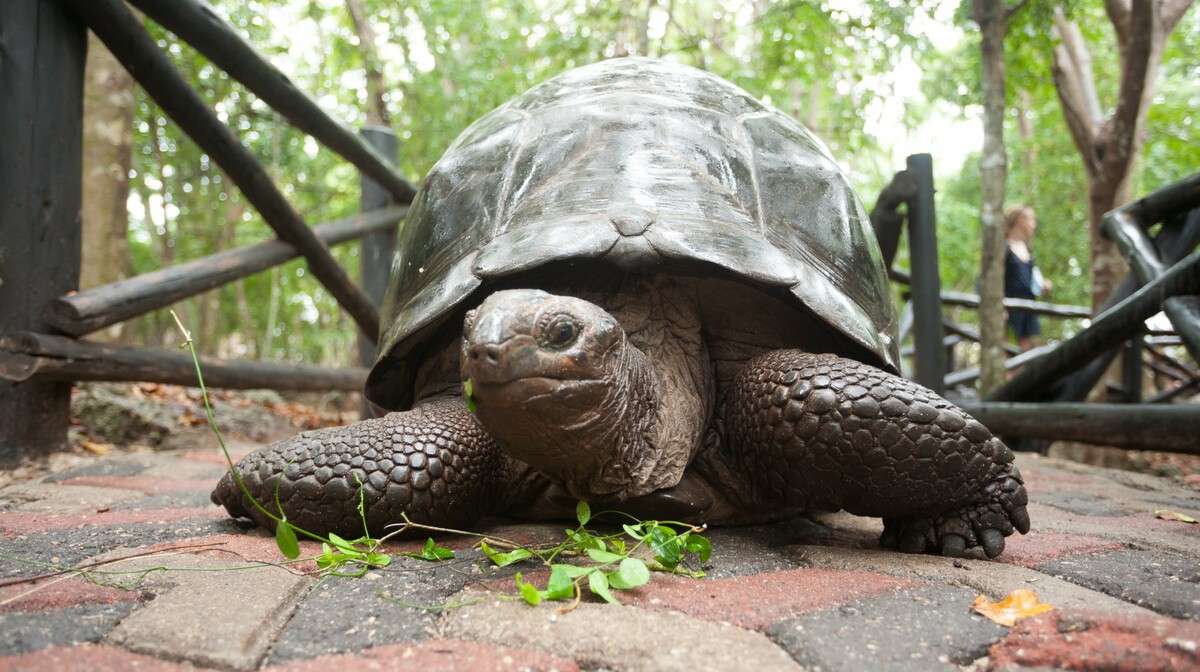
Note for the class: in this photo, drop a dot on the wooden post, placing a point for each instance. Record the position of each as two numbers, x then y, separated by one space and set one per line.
376 248
930 367
42 52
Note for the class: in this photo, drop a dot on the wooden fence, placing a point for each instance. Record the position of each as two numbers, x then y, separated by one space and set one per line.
41 78
41 75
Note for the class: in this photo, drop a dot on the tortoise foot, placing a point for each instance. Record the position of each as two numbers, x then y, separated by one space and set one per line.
434 464
951 532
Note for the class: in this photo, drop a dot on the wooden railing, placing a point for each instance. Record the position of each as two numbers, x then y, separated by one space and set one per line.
1042 401
41 316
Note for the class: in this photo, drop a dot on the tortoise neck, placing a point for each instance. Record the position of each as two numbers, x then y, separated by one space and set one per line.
596 439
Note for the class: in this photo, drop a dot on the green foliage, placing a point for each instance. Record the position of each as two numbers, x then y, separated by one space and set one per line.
432 552
336 553
613 561
830 66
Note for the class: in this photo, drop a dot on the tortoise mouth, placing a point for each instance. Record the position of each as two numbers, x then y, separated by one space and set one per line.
567 392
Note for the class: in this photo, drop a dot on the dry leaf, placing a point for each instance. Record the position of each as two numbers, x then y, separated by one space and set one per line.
1174 515
1019 604
97 448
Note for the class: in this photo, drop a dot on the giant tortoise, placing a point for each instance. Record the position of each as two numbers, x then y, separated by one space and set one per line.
663 297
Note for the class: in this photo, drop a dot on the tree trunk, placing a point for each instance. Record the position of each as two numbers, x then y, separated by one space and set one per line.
991 15
1109 145
377 113
108 111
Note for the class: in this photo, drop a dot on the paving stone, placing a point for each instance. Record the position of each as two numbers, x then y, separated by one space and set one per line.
1142 530
1031 550
351 614
59 592
442 655
70 547
755 602
745 551
180 499
608 637
63 499
1089 640
147 485
925 629
116 466
1083 503
210 618
22 632
17 523
993 579
87 658
1168 584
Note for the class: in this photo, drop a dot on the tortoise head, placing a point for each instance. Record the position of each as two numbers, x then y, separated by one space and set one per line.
525 347
548 373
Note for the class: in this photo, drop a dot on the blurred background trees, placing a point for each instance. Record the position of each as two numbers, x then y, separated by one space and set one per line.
875 79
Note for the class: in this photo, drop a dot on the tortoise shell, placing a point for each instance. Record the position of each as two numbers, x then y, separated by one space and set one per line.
645 164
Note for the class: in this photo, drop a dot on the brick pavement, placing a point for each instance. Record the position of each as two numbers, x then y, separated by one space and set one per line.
803 595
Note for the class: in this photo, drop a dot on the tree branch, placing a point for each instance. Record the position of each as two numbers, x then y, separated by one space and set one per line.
1008 14
1081 60
1118 13
1144 31
1066 83
1172 12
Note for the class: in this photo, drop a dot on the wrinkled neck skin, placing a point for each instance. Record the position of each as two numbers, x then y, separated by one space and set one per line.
606 423
595 439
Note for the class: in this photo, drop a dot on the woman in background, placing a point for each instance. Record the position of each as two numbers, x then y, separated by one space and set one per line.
1022 279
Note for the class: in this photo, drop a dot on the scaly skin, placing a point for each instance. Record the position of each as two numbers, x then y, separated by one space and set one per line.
820 432
795 431
434 463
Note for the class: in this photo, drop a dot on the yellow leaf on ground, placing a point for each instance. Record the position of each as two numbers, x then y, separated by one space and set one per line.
1019 604
1174 515
97 448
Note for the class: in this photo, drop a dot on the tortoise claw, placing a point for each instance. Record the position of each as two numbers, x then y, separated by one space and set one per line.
1020 519
992 541
953 545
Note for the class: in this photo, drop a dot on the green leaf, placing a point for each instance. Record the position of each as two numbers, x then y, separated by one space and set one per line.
469 393
342 545
665 544
561 585
603 556
634 531
285 539
598 583
630 574
572 571
326 558
583 512
431 552
694 543
379 559
528 590
504 559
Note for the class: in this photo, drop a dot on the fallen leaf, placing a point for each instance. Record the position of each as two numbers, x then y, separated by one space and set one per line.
1174 515
1019 604
97 448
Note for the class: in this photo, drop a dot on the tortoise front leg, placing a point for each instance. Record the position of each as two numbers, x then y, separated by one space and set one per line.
435 463
820 432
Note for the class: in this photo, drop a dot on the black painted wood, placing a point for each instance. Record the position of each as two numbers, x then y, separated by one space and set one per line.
27 356
42 52
85 312
199 26
123 34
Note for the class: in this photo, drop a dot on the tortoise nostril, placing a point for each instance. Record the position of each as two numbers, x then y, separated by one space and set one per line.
486 353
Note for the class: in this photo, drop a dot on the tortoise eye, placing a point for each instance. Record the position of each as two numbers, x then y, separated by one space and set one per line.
560 332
